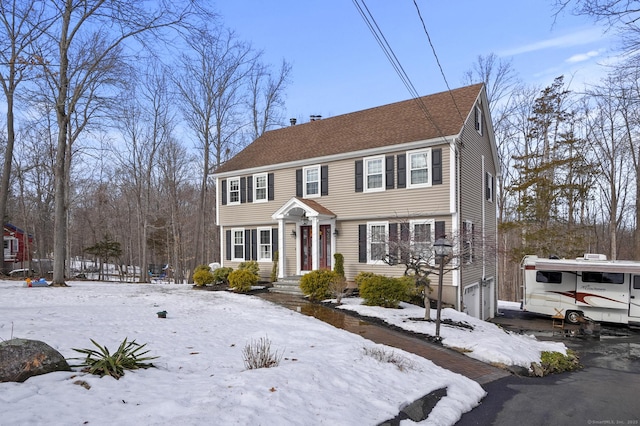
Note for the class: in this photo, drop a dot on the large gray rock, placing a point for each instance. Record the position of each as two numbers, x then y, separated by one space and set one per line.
22 358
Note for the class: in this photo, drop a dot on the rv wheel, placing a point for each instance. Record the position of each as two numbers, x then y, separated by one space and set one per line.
573 317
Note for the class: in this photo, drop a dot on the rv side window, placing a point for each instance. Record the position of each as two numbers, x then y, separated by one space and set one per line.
549 277
603 277
636 282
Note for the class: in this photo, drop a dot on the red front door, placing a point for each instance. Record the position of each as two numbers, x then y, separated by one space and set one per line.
306 251
325 247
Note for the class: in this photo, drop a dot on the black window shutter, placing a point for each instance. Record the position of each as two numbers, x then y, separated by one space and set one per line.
440 229
247 244
389 169
243 189
487 186
324 180
250 189
270 186
224 192
402 171
393 244
228 243
299 183
362 243
254 244
359 177
405 237
274 242
436 164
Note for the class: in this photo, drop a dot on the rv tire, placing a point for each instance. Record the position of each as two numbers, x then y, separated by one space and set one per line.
573 317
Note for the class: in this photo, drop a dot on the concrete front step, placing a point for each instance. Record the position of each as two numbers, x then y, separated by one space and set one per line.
289 285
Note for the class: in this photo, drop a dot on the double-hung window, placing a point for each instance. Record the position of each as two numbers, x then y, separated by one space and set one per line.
311 182
234 190
377 232
260 188
422 238
264 244
467 241
418 173
374 174
237 243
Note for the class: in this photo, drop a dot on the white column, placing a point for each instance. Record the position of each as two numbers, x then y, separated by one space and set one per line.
282 252
315 240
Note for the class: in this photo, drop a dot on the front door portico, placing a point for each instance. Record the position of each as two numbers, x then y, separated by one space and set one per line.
312 245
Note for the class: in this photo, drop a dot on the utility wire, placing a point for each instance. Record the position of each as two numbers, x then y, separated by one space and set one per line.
433 49
395 62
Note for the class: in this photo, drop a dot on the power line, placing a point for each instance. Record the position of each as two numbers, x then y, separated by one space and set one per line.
369 20
433 49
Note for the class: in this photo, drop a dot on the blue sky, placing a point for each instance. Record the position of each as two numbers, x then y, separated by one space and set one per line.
338 66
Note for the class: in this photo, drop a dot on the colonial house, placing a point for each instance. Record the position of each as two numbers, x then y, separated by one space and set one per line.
349 184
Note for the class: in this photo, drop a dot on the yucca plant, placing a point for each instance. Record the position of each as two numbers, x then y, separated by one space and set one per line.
129 356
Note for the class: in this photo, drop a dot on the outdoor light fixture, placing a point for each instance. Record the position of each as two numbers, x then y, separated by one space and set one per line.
443 249
293 233
335 232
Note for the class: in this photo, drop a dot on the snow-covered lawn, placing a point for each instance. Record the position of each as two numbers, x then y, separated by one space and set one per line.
480 339
324 377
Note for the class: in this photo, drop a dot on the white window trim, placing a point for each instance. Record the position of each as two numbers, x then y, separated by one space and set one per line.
365 174
255 188
412 229
259 242
429 169
304 181
229 202
371 261
233 245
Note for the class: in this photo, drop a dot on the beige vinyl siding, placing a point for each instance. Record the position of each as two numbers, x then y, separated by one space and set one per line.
343 200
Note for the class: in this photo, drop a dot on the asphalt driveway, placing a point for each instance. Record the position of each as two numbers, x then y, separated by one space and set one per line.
604 392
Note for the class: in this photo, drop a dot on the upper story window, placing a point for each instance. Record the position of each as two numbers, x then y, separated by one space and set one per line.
478 120
311 183
489 186
260 188
233 185
418 171
374 174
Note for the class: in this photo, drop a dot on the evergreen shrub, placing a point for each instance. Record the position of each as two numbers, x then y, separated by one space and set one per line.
241 280
359 279
202 275
385 291
317 284
251 266
221 275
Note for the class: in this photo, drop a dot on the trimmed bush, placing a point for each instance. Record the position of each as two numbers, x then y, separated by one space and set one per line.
202 275
221 275
385 291
251 266
241 280
317 284
359 279
339 264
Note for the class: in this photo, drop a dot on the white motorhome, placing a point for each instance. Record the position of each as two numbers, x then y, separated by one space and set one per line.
591 286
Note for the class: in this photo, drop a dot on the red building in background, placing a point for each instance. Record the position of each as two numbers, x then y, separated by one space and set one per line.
17 245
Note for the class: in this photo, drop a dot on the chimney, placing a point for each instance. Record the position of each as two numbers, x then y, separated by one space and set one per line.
314 117
292 121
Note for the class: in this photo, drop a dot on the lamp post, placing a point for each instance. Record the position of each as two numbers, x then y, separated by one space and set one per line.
442 248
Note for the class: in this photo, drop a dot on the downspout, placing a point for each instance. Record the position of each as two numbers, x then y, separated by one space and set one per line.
457 145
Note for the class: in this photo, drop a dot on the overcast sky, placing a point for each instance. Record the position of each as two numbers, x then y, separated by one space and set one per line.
338 67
